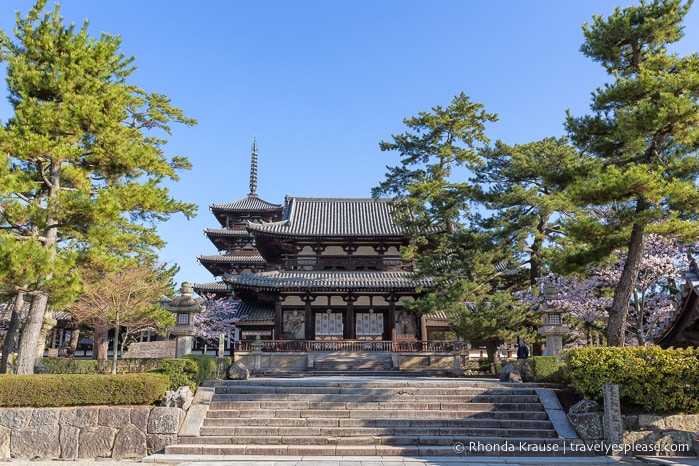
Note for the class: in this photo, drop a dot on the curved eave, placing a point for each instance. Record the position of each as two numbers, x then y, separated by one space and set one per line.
221 264
232 260
273 245
219 289
327 281
224 239
257 232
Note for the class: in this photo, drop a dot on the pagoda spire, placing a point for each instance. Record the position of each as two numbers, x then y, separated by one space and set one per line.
253 169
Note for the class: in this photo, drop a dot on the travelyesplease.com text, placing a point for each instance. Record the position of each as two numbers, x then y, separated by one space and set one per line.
563 448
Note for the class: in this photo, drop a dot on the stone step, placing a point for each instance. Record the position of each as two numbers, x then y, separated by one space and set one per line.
466 447
373 416
381 423
235 416
256 434
376 390
346 398
395 383
362 410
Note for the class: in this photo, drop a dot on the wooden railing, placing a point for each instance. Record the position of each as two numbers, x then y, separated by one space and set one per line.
345 345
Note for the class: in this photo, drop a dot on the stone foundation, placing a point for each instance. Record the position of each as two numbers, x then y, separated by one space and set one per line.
87 432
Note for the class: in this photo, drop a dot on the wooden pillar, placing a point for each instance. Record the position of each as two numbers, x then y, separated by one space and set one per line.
277 319
423 328
310 324
351 328
392 316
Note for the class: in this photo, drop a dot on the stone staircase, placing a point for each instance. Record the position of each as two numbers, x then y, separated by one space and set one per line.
328 416
346 361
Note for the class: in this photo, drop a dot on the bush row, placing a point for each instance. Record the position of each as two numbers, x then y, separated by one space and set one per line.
51 390
75 382
651 378
91 366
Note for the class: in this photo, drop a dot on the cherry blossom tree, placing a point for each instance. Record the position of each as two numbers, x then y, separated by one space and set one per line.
219 316
588 299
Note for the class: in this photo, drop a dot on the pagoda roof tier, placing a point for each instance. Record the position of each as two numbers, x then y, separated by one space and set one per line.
226 232
223 238
332 217
250 203
220 264
334 280
211 288
249 206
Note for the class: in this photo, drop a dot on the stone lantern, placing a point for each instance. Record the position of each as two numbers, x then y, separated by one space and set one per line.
184 307
552 320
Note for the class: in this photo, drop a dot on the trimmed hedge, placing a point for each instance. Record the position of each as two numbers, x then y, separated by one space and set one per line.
652 378
546 369
206 367
91 366
180 371
52 390
71 366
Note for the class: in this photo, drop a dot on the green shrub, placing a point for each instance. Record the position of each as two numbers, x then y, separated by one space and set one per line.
546 369
71 366
180 371
57 390
92 366
135 365
652 378
207 367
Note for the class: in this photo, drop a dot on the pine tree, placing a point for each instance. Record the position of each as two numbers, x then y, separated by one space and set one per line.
433 206
84 178
521 188
642 139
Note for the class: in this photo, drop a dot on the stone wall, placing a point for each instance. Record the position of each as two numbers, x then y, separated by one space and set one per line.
87 432
666 432
647 434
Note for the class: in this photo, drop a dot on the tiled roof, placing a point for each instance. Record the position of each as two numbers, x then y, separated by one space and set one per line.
212 287
231 259
689 288
327 280
225 232
255 312
250 203
333 217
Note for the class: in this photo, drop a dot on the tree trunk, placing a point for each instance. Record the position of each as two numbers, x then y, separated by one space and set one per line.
491 347
26 357
640 333
616 329
100 343
48 323
8 346
115 348
74 339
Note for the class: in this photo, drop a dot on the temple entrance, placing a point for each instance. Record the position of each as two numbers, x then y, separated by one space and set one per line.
329 325
369 326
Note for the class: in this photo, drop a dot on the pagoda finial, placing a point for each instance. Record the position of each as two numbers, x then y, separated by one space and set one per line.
253 169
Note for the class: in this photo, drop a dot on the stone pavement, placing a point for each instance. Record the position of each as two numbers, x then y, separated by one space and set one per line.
183 460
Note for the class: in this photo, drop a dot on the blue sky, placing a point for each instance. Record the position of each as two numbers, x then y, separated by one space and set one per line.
321 83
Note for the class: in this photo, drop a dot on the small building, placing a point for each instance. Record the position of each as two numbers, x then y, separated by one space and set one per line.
681 330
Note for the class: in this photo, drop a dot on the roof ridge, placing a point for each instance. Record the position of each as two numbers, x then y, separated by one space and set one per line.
357 199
